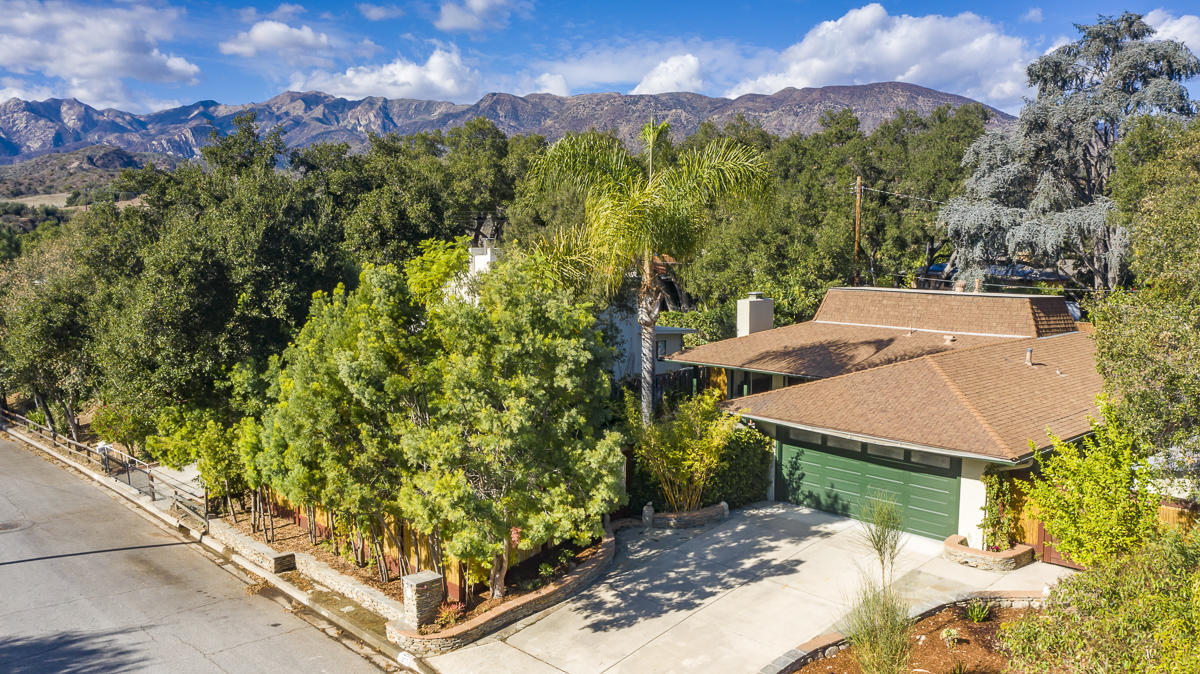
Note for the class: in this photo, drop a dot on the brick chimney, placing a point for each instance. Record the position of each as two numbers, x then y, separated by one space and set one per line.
755 313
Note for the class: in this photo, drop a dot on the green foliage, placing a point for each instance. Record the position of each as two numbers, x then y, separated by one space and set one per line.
683 451
350 385
877 627
1136 612
743 470
517 400
1042 193
1000 515
186 435
637 210
1092 495
434 273
1148 348
978 610
880 522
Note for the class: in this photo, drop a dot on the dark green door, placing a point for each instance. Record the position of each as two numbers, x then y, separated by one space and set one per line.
839 479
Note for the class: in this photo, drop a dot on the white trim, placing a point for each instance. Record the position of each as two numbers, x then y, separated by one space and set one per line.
943 332
881 441
927 291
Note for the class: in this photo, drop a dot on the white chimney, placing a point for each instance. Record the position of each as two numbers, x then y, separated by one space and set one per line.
755 314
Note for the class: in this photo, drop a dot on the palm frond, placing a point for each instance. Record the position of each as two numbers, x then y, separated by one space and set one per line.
584 162
722 169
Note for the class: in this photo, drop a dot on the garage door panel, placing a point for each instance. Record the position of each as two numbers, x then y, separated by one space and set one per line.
839 483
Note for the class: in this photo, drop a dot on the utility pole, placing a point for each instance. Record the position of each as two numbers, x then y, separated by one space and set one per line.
857 222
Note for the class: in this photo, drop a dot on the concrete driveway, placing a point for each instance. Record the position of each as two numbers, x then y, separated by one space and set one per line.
728 598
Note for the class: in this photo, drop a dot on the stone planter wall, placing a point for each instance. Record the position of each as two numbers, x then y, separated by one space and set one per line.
956 550
828 645
402 634
695 518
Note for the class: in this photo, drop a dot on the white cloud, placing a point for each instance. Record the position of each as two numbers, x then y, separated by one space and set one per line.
294 45
678 73
1185 29
625 65
442 76
284 12
964 54
91 52
551 83
13 87
379 12
1034 15
472 15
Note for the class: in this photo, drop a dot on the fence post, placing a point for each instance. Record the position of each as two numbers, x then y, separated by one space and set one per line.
151 476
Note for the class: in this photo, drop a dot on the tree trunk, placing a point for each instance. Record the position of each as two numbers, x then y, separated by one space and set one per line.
40 403
72 421
498 572
648 305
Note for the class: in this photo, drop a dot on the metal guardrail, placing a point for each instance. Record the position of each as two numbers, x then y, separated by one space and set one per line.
122 467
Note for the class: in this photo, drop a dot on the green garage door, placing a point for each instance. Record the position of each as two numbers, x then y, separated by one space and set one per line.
837 475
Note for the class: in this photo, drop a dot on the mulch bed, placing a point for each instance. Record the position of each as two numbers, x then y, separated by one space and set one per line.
977 648
292 538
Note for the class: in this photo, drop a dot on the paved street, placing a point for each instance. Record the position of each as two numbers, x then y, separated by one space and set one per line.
87 585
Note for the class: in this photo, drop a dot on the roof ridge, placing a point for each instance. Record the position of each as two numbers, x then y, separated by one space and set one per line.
975 413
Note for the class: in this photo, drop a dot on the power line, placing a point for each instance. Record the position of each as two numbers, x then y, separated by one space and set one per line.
897 194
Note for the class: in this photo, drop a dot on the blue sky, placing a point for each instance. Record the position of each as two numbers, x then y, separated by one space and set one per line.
148 55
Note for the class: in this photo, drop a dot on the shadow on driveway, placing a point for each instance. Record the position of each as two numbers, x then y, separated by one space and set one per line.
683 570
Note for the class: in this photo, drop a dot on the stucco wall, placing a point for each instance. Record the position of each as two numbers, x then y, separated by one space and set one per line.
972 496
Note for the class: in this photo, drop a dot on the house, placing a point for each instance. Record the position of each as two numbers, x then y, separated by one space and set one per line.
911 394
624 334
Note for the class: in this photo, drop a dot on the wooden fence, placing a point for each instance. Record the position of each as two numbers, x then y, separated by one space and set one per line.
416 551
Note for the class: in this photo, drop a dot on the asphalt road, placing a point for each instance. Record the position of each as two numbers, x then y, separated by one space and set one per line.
88 585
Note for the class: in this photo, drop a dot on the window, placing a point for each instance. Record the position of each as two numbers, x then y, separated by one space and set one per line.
886 452
806 437
661 348
843 443
760 383
930 459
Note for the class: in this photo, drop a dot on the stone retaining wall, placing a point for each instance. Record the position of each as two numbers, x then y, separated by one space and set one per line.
310 566
955 549
401 634
695 518
259 553
829 644
348 587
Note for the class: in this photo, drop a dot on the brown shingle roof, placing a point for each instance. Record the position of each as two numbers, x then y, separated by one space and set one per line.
973 313
859 328
983 400
820 350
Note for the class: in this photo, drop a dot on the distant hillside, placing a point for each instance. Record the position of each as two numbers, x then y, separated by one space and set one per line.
29 129
88 168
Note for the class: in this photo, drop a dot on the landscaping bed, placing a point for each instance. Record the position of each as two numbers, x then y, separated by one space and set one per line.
976 647
528 576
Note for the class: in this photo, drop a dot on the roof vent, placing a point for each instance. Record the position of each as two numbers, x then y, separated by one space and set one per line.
1029 356
949 338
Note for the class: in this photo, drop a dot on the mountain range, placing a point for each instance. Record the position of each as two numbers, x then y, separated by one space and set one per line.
33 128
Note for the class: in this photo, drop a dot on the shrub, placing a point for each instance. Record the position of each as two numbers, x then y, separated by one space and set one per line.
1139 612
449 613
742 474
880 521
683 450
744 471
545 571
1091 496
877 628
978 610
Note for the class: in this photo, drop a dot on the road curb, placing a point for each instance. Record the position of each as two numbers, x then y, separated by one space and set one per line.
224 551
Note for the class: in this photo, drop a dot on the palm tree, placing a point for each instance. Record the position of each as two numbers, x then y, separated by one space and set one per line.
637 212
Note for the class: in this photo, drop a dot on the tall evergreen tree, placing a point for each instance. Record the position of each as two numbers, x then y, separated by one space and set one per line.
1041 192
